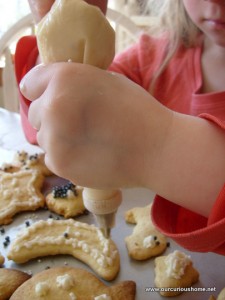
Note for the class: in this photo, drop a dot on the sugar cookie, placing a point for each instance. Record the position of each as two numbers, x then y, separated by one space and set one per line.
66 200
174 271
212 298
10 280
2 259
19 191
221 295
72 283
84 242
91 42
24 160
145 241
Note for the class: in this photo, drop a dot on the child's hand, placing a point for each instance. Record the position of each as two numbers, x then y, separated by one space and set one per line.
93 125
39 8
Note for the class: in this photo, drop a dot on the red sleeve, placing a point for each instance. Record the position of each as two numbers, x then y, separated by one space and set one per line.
189 229
25 58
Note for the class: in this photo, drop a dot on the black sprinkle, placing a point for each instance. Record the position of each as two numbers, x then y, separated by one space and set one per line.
47 267
155 237
157 243
7 238
5 243
2 230
50 216
61 191
168 244
66 235
27 223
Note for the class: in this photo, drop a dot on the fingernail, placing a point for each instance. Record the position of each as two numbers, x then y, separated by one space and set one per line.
22 85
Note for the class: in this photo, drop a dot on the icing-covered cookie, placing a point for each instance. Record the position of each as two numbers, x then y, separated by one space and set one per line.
174 271
84 242
19 191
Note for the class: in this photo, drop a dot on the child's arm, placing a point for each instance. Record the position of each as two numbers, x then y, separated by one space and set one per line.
112 133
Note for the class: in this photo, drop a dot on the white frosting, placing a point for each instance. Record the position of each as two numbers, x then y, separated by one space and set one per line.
103 297
24 195
70 194
149 242
65 282
42 289
73 296
176 263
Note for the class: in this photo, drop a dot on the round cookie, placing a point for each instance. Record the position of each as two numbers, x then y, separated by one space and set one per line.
66 200
2 259
71 283
10 280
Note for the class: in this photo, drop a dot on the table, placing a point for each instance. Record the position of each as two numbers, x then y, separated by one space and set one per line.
210 266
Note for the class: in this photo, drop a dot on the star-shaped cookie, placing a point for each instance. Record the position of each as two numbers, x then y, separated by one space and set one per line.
19 191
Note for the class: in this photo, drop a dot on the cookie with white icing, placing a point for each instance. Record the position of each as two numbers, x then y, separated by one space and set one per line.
26 161
145 241
173 272
10 280
72 283
20 191
83 241
66 200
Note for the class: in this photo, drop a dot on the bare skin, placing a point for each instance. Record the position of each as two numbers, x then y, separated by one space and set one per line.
180 157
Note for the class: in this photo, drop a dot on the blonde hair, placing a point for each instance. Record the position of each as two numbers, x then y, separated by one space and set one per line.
170 17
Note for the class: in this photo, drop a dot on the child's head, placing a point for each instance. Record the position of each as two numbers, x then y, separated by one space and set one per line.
171 17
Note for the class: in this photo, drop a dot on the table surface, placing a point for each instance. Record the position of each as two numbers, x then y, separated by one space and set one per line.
210 266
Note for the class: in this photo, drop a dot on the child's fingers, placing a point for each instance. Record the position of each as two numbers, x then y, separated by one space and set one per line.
35 82
34 114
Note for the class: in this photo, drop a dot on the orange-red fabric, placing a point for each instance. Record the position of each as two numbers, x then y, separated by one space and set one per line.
25 59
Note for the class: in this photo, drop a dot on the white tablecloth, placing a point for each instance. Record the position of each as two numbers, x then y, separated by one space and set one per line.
12 138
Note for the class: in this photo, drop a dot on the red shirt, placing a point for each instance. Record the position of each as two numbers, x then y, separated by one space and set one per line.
177 88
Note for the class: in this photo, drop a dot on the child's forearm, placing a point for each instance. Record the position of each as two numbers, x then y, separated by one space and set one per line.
190 168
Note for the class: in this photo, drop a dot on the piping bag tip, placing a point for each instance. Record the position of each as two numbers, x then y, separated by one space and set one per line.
105 223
